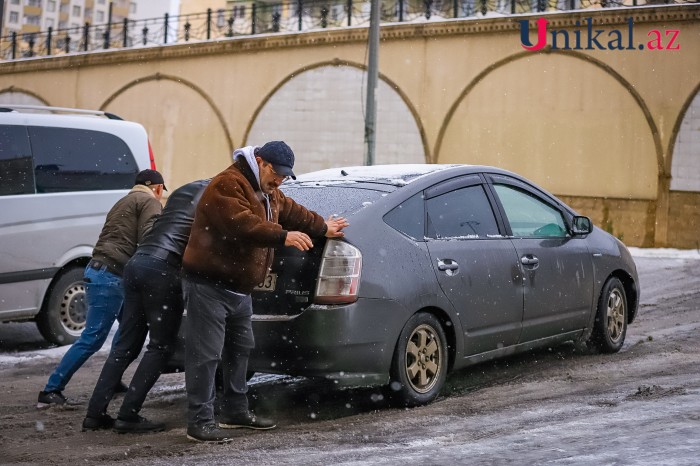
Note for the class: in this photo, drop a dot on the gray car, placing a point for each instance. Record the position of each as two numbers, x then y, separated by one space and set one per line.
443 266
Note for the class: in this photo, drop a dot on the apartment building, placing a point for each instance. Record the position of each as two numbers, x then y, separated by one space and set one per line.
28 16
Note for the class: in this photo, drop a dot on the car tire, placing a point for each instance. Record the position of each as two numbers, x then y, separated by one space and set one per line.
419 366
610 327
62 317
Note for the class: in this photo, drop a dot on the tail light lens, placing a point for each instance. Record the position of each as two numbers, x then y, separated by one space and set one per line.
339 278
150 154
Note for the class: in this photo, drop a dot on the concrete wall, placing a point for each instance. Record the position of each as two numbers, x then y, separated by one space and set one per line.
598 127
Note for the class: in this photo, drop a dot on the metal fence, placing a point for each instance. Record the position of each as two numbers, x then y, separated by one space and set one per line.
263 18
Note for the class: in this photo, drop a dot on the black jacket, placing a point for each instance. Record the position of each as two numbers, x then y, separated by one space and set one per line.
171 230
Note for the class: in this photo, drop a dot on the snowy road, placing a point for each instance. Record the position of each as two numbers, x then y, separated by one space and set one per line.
557 406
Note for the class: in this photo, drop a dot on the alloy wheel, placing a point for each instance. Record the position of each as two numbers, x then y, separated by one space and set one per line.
616 315
423 358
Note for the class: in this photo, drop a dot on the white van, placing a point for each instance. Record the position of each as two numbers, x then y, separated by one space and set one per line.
61 170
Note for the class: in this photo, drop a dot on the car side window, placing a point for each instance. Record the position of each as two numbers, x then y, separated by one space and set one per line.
408 217
16 168
528 215
68 159
464 213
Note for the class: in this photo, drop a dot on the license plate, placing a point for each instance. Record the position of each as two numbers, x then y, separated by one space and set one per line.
268 284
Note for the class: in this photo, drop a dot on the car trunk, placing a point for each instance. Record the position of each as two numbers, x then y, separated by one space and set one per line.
296 274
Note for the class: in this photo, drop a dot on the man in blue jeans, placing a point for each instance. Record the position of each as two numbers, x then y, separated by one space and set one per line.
127 223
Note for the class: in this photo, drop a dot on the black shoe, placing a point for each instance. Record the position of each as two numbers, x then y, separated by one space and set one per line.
207 433
103 421
121 387
247 420
47 399
140 425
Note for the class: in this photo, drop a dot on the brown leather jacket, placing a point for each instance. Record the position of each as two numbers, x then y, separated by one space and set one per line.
125 227
231 241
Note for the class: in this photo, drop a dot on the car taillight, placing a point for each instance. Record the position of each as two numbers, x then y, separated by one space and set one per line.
339 277
150 154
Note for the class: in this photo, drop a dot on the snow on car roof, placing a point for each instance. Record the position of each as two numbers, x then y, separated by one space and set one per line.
396 174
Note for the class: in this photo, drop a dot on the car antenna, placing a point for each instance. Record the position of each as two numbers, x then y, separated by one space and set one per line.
343 172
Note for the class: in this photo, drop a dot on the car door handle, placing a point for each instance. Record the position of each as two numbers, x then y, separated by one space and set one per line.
529 260
447 264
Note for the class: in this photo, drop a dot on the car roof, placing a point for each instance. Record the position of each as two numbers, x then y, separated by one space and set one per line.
392 175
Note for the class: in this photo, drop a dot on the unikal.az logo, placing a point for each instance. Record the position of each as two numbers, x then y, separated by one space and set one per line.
587 38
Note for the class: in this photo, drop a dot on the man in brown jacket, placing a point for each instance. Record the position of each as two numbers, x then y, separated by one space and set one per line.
240 218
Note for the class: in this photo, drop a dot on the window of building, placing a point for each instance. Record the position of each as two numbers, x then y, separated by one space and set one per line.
100 2
76 10
33 3
100 16
14 2
132 8
14 17
51 5
32 19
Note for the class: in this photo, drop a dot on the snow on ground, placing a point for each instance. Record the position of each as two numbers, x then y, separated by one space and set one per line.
14 357
666 253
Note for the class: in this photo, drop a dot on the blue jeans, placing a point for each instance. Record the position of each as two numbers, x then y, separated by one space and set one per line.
105 296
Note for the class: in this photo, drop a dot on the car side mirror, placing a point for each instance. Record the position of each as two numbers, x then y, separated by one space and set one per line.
581 225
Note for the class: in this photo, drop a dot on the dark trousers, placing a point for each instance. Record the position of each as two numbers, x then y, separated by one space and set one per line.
219 329
152 303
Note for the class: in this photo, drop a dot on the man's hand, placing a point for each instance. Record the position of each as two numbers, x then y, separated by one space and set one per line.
335 225
299 240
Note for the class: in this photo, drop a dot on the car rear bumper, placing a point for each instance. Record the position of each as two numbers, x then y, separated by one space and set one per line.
350 344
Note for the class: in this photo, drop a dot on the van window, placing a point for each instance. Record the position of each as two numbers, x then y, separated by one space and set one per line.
67 159
16 170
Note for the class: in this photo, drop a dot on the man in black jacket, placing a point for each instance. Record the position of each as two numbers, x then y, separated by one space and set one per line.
152 303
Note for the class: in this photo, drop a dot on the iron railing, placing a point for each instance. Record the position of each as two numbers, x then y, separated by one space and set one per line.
259 18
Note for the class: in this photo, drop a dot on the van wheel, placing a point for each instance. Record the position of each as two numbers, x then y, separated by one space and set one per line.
610 325
62 318
419 367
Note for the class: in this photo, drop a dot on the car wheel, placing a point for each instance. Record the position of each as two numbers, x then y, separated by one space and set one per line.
419 367
610 325
62 318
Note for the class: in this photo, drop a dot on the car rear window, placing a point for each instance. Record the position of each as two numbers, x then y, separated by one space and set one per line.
329 200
